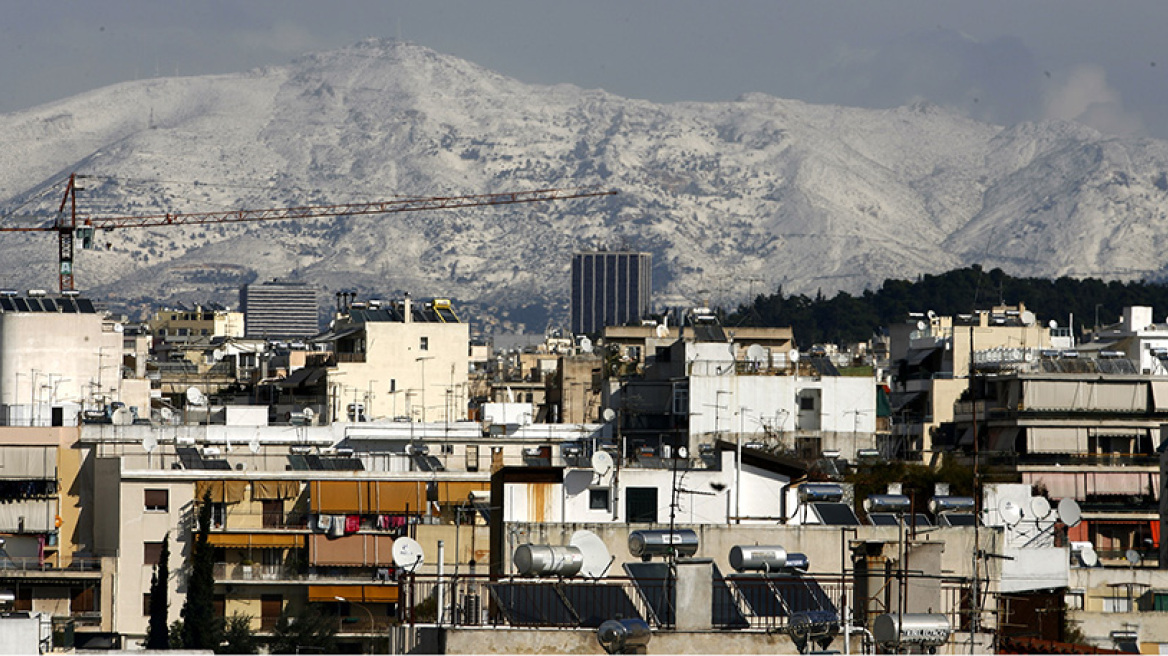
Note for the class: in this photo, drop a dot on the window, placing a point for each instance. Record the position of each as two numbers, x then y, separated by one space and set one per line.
472 457
598 499
218 514
83 600
680 400
146 603
425 345
273 516
151 553
641 504
806 402
157 500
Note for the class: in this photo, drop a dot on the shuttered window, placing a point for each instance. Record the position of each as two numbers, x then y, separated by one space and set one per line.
157 500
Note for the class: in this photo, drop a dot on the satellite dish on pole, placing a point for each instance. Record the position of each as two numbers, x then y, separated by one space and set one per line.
1069 512
1040 507
122 417
601 463
1132 556
794 355
609 414
195 396
407 554
921 325
585 345
149 443
1028 318
1088 557
756 354
1010 512
254 445
596 556
662 331
1053 324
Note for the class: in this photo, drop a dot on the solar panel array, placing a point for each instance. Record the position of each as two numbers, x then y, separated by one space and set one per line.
46 305
835 514
891 519
562 604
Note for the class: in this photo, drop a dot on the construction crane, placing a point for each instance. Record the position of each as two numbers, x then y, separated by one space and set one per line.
67 226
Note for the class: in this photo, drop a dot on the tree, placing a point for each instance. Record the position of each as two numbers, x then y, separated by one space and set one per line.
201 629
313 631
238 637
157 637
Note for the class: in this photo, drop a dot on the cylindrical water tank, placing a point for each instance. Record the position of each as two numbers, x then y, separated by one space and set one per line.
646 544
619 636
939 505
887 503
547 560
797 560
754 558
892 630
814 492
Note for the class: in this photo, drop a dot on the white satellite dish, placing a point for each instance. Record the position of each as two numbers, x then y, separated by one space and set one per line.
407 554
1069 512
308 413
118 328
253 445
931 315
756 354
1039 507
149 443
1028 318
195 396
662 330
794 355
122 417
585 345
1010 512
921 325
1088 557
596 556
1132 556
609 414
1053 324
601 463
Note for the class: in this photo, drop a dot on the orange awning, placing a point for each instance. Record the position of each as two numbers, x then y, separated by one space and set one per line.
256 540
373 594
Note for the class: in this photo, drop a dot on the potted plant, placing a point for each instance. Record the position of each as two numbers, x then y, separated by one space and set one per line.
245 567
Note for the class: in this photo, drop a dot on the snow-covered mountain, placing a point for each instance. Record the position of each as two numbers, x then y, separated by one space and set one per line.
730 197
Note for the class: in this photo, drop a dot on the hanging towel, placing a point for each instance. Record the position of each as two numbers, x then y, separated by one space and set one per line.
382 522
337 529
352 524
323 522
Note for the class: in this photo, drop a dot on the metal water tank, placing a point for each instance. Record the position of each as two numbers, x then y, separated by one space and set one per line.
623 636
547 560
925 631
646 544
816 492
757 558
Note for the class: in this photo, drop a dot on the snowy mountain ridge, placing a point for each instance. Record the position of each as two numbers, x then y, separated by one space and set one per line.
730 197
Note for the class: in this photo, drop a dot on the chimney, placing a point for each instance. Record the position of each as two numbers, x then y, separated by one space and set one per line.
407 309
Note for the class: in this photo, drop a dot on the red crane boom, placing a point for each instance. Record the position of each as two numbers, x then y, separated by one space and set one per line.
66 224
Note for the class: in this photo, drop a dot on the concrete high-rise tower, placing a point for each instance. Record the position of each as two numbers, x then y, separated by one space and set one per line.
610 288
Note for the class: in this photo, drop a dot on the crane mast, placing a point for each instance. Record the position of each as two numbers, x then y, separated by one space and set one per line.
66 223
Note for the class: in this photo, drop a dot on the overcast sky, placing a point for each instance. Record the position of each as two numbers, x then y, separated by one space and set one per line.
1102 63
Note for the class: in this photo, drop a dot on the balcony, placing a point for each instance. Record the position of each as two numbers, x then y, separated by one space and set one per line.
350 357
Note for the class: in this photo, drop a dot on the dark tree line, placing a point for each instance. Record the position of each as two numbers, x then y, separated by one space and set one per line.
846 318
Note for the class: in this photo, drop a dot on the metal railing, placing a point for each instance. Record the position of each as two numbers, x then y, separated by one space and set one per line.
32 564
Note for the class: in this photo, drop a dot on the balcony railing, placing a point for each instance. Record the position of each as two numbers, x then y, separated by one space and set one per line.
30 564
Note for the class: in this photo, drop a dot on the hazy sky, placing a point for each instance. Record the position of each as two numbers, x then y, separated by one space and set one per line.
1102 63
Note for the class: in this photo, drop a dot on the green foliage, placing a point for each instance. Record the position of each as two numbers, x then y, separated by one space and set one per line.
238 637
157 636
313 631
426 610
919 480
175 635
846 318
201 627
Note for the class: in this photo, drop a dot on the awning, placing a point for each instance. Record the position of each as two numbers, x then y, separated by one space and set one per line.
256 540
221 491
303 377
1056 440
1160 395
899 400
373 594
274 490
332 337
384 497
1003 439
917 356
358 550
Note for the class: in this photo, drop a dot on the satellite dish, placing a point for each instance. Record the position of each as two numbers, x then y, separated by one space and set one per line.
609 414
1010 512
1039 507
596 556
150 443
1132 556
1028 318
195 396
308 413
119 328
756 354
407 554
921 325
122 417
794 355
1088 557
662 330
1053 324
253 445
1069 513
682 452
601 463
166 414
932 315
585 345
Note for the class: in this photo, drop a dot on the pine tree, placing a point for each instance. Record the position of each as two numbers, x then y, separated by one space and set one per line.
201 629
157 636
